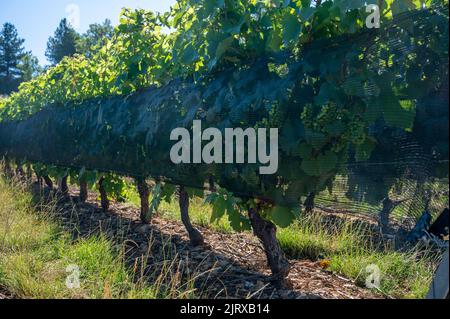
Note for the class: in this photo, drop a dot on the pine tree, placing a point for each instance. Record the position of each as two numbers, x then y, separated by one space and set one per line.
62 44
29 67
11 54
95 38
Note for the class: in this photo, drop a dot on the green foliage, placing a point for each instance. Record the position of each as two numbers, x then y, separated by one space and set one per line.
29 67
291 27
62 44
346 248
11 55
115 186
96 37
223 202
35 252
324 96
283 216
89 177
157 194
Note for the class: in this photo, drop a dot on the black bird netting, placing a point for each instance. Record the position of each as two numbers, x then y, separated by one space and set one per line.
130 135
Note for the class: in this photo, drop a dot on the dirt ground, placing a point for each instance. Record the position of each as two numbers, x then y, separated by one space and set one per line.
228 266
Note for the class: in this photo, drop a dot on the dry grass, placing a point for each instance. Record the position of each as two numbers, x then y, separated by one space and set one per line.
35 253
345 247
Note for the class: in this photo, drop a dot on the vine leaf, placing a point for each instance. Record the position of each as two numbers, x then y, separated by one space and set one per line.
283 216
364 150
320 165
157 194
291 27
398 113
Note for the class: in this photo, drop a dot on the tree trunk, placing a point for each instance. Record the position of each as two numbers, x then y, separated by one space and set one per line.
309 203
38 177
29 173
385 213
195 236
266 232
40 182
63 189
83 191
103 195
144 194
20 172
48 181
440 226
211 184
8 169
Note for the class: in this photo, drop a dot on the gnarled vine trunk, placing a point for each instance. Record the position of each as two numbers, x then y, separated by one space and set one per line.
144 194
103 195
40 182
383 217
20 173
48 181
211 184
29 172
8 169
309 203
266 232
63 188
195 236
83 191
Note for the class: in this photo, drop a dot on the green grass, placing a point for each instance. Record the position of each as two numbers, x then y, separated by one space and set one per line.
345 247
199 213
347 250
403 275
309 238
35 253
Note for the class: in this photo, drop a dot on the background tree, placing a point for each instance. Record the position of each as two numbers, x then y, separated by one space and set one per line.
29 67
62 44
11 54
95 38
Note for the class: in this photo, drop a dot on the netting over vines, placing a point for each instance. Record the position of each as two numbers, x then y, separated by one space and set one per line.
362 113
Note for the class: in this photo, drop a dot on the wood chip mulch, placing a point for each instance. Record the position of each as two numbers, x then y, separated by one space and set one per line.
228 266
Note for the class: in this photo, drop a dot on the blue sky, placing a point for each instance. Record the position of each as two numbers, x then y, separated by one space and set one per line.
36 20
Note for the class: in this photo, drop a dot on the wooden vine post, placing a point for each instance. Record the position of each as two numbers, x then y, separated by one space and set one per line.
29 172
20 173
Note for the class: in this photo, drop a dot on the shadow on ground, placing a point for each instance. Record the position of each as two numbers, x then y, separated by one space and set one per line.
224 272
